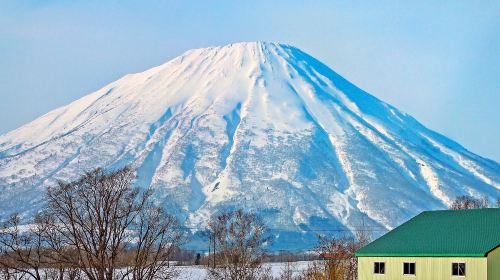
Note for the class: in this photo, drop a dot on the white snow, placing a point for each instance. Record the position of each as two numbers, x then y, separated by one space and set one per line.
258 125
276 269
433 182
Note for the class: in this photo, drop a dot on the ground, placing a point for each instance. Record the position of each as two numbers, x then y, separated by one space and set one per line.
200 272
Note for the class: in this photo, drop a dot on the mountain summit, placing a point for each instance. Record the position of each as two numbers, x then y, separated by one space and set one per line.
263 126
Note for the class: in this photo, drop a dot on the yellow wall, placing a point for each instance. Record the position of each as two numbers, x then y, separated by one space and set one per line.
494 264
427 268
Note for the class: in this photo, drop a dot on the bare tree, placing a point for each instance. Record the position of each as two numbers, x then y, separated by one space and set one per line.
240 241
335 252
340 262
361 238
498 202
94 221
155 237
314 271
287 271
22 247
469 202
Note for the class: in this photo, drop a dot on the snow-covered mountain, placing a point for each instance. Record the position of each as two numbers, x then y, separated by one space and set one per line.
262 126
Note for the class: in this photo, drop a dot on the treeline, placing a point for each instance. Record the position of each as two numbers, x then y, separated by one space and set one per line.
469 202
102 227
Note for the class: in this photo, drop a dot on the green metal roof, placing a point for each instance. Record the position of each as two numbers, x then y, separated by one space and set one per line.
447 233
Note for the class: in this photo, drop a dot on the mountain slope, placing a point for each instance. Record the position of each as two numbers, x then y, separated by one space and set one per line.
259 125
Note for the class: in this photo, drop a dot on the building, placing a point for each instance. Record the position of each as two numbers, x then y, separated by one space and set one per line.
434 245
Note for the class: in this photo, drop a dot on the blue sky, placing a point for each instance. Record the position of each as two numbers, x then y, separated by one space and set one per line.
436 60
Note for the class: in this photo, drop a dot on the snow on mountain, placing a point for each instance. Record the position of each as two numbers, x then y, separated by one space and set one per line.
257 125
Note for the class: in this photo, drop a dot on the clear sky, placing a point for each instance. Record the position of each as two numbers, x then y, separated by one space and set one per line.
436 60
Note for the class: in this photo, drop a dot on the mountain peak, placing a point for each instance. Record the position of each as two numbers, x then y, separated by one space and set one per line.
250 45
235 52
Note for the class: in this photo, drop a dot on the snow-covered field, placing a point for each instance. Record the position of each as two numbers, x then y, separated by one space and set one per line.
200 272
